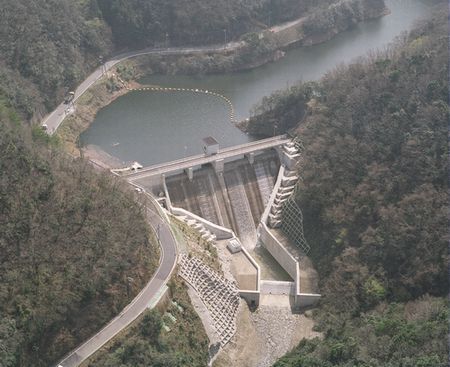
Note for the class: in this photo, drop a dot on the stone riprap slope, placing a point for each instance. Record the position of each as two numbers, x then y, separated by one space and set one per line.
220 295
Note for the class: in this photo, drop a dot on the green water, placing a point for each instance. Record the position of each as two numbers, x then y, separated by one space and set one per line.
155 127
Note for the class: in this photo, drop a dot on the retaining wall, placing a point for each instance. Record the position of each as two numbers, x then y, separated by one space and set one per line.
277 250
220 232
252 297
269 204
277 287
283 257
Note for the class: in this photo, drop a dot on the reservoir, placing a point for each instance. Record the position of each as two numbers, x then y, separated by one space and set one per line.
156 127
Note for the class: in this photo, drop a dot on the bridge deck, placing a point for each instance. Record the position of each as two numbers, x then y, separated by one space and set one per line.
201 159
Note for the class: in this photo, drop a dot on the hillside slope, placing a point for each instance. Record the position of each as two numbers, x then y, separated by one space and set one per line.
74 249
48 47
374 200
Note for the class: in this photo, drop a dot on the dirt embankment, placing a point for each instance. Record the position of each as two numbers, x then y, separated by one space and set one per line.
100 95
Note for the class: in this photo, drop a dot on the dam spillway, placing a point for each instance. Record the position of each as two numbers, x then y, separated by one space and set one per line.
234 198
238 194
201 196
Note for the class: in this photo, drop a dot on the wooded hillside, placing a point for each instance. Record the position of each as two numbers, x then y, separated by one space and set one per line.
47 47
74 248
375 203
187 22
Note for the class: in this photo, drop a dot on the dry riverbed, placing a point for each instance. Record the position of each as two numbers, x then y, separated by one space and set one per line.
263 336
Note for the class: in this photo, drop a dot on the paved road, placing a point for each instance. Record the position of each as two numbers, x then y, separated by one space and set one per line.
140 303
200 159
167 242
55 118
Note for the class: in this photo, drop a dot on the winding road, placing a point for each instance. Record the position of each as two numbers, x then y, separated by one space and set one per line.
140 303
55 118
166 239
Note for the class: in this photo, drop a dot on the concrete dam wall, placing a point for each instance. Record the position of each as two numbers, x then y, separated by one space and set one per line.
233 199
223 199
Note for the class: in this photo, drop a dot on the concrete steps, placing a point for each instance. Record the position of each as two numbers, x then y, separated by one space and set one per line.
199 227
286 189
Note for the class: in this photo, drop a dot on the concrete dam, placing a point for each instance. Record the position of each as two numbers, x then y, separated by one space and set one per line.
234 198
237 195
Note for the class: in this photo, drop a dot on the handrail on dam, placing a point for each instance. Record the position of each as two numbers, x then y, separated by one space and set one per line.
201 159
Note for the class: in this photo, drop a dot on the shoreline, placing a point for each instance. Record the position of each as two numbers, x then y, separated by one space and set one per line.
110 87
100 158
86 108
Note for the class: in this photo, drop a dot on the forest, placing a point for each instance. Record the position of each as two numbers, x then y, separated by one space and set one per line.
74 247
373 190
47 47
374 198
170 335
183 22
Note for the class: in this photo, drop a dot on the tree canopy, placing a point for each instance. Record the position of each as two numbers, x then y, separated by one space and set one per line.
74 248
47 47
374 199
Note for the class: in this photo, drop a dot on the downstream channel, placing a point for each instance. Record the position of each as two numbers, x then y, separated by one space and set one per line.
156 127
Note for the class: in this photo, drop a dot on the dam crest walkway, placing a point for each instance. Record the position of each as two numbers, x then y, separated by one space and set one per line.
201 159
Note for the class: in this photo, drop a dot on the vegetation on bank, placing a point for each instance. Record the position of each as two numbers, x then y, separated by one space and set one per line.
374 200
327 21
74 247
171 335
258 48
98 96
181 22
48 47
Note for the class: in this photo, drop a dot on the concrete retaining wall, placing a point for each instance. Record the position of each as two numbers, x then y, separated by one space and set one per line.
277 185
277 250
283 257
277 287
166 193
220 232
251 296
288 262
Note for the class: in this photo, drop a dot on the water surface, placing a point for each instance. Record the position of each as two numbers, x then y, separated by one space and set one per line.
155 127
